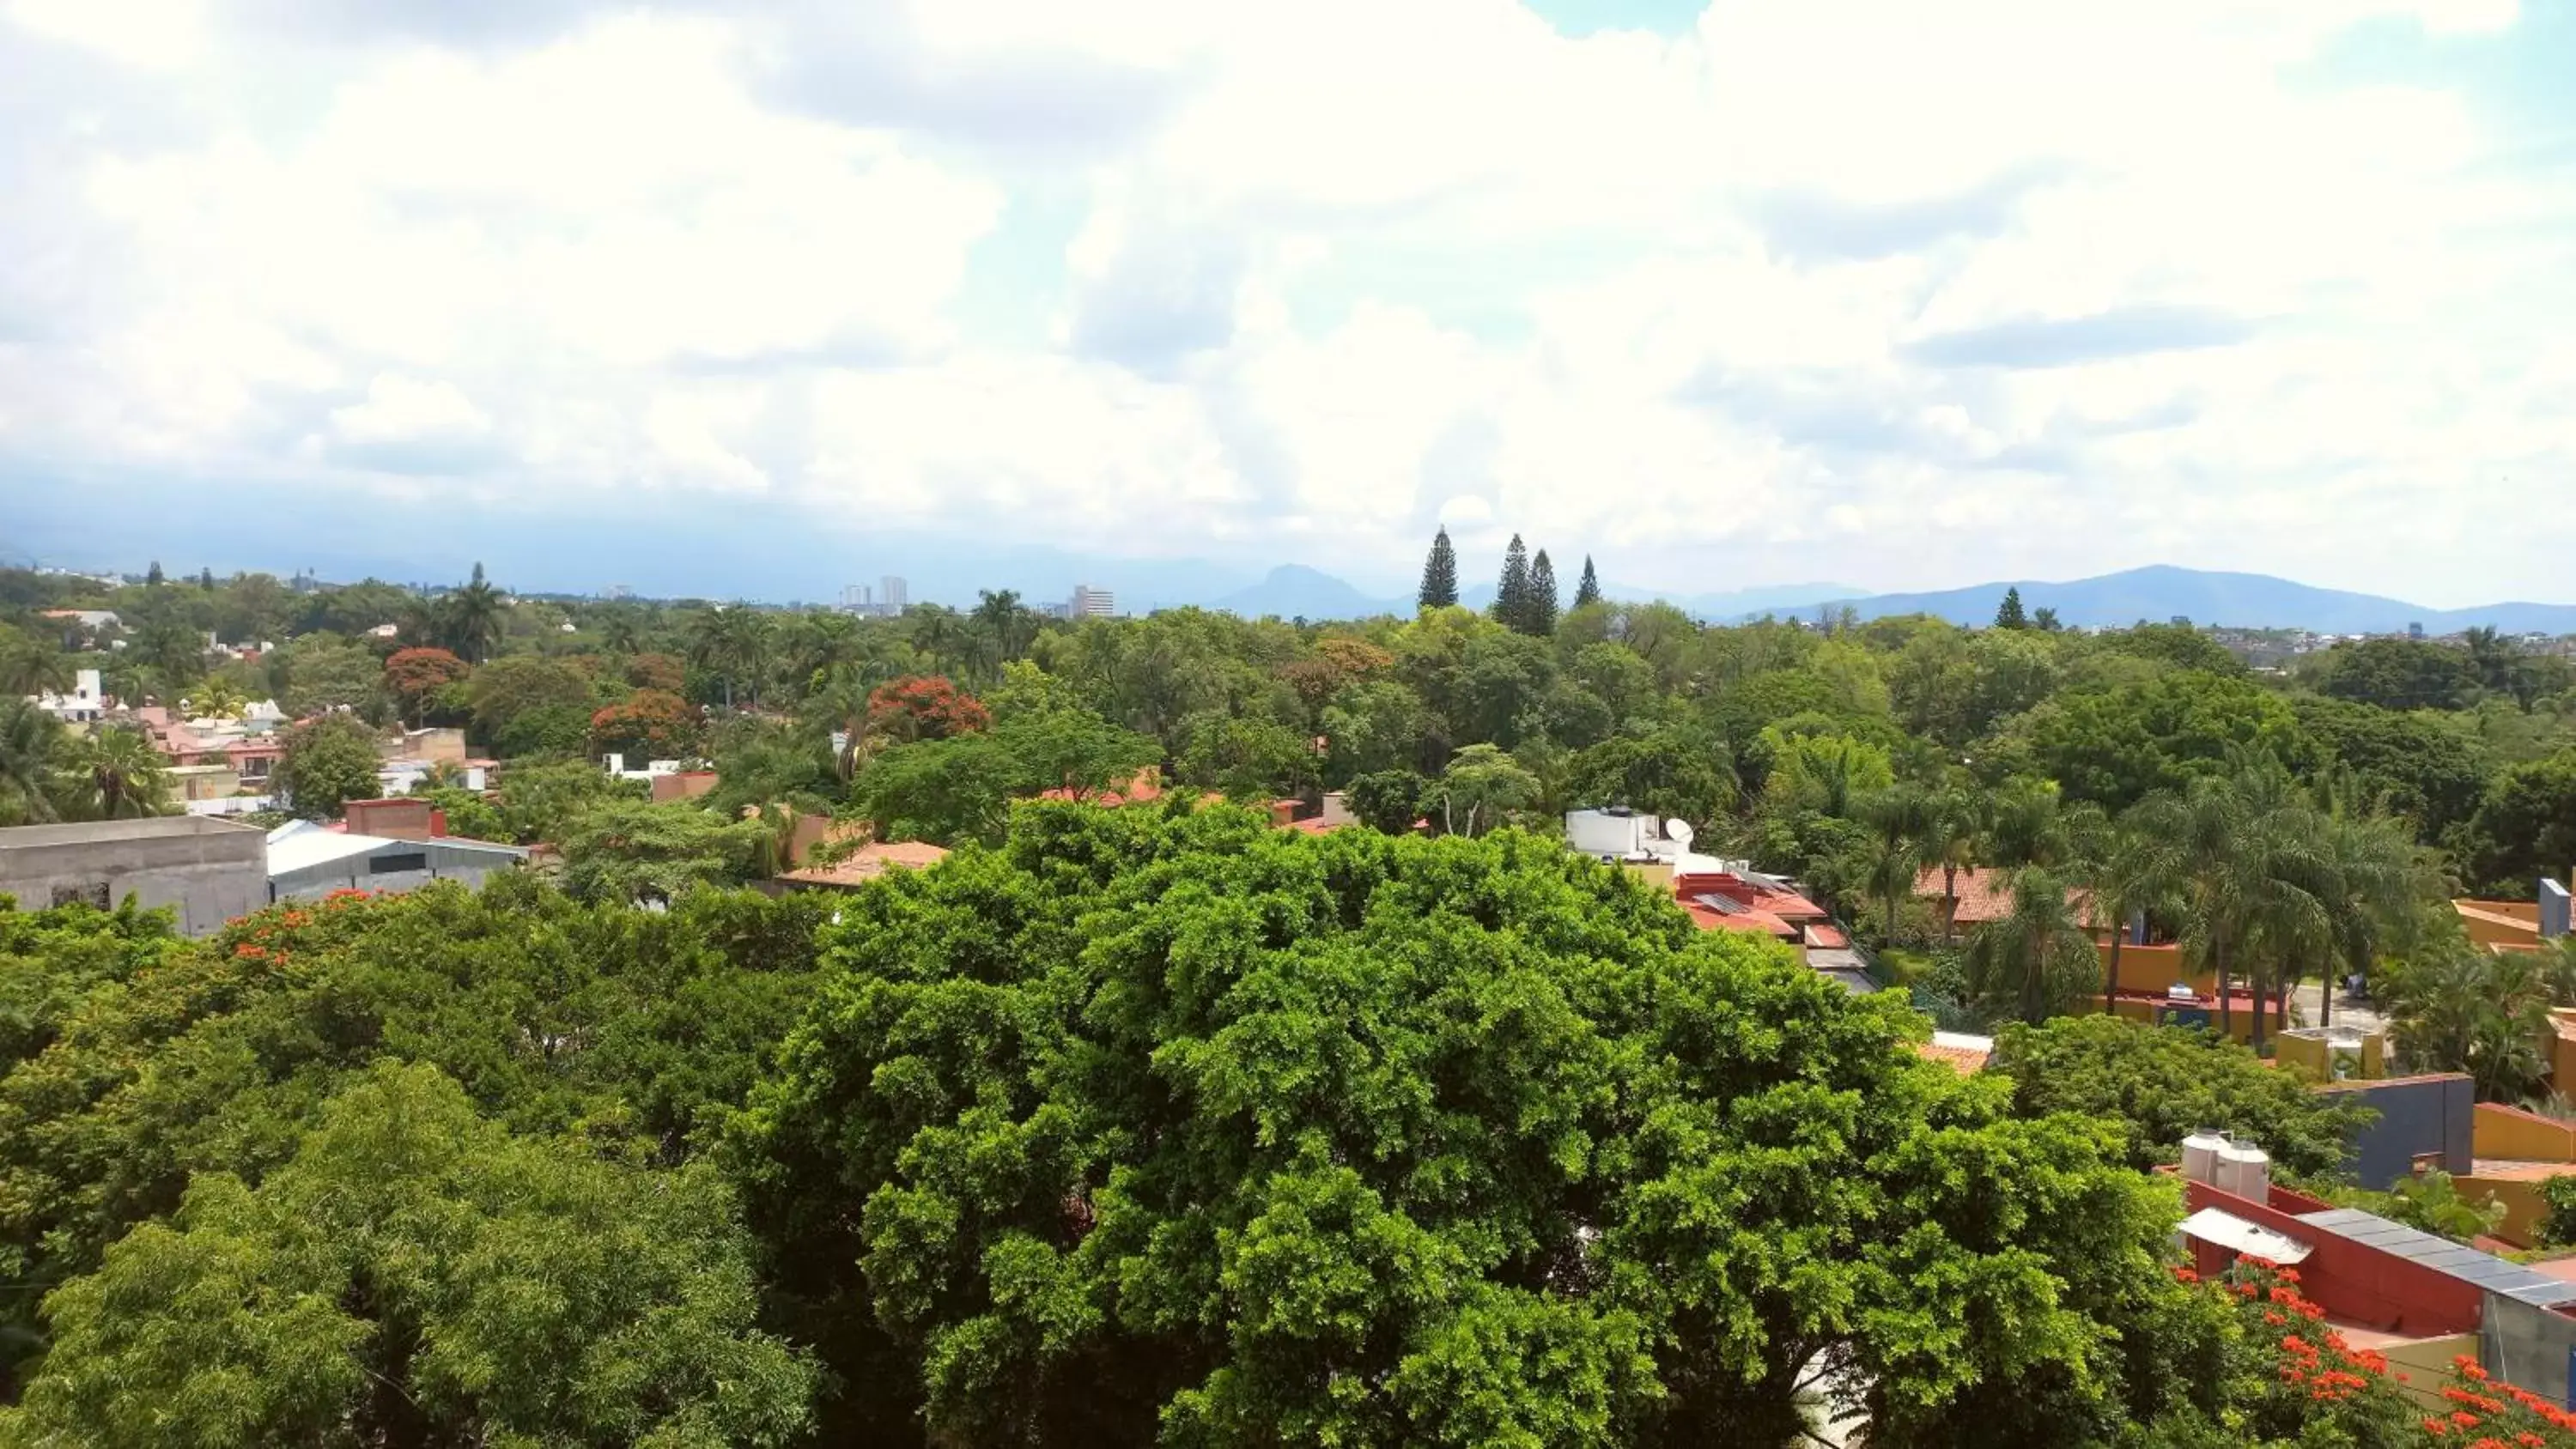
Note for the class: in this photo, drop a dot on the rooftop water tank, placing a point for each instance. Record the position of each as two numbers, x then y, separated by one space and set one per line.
2245 1171
2200 1155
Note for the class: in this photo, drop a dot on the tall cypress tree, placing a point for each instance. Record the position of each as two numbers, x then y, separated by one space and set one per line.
1511 596
2008 615
1540 617
1589 590
1440 574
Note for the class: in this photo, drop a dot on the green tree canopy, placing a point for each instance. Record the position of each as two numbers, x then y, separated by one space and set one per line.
327 762
630 852
2400 674
418 1275
1189 1130
2115 747
2164 1083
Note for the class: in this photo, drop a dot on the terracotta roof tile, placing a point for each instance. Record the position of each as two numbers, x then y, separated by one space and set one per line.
868 862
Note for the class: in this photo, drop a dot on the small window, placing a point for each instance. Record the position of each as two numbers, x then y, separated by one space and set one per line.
398 864
82 895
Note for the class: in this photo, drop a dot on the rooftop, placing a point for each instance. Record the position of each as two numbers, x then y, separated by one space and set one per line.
92 832
1985 894
869 862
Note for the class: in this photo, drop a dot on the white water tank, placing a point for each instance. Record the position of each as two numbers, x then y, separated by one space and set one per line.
2244 1171
2200 1156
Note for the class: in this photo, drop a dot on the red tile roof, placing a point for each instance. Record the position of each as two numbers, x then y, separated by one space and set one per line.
1966 1061
868 862
1147 786
1985 894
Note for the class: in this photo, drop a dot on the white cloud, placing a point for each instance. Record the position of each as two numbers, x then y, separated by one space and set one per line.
1841 288
408 410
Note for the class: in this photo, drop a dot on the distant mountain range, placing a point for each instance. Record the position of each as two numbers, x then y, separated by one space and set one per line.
2253 601
1294 591
2155 594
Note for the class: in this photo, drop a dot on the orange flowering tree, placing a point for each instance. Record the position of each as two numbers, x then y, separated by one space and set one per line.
415 676
2294 1379
650 725
923 707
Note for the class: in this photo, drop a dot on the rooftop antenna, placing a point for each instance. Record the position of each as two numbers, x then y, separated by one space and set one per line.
1678 831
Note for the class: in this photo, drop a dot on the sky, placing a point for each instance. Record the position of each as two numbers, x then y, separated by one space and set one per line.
760 296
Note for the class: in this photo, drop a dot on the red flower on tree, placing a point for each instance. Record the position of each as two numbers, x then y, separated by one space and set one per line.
650 724
413 675
923 707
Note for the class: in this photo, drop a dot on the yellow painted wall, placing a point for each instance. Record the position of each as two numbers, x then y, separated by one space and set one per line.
2145 1011
2312 1053
2514 925
2511 1133
2523 1207
2153 968
2427 1366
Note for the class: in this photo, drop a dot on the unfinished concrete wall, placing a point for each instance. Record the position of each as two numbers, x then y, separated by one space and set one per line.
209 870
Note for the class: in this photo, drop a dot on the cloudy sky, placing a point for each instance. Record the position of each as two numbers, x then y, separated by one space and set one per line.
1905 295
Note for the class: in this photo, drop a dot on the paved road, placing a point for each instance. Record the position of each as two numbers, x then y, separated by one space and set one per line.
2305 1001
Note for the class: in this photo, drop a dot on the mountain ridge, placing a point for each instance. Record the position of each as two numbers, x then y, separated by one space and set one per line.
2155 593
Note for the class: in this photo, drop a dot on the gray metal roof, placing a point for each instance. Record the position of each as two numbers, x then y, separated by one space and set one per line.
2484 1270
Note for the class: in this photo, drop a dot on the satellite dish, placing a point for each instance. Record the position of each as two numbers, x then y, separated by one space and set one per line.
1678 831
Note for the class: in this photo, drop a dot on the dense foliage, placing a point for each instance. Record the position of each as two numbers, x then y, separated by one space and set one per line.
2164 1084
1184 1128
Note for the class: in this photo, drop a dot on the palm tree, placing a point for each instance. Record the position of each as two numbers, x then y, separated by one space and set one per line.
1957 824
125 775
939 633
2379 877
470 618
2455 1008
1900 826
619 631
30 666
215 699
30 743
1004 625
2039 949
732 643
2139 873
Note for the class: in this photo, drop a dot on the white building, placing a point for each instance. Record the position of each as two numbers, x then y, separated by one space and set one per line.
307 861
85 703
1091 603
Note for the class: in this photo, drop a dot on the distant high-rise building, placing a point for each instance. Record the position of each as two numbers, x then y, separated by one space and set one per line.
1091 603
893 594
621 591
2414 631
857 598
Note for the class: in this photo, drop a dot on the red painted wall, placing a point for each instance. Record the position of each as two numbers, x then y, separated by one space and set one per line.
2352 1282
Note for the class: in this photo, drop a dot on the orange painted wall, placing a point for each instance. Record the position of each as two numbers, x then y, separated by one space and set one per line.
2520 1136
2510 925
2153 968
2523 1207
2140 1010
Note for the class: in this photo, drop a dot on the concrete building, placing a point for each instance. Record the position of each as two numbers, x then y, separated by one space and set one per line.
208 870
306 861
1091 603
893 593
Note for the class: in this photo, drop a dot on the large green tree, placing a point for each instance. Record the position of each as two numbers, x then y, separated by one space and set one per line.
327 763
415 1276
1189 1130
2163 1083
